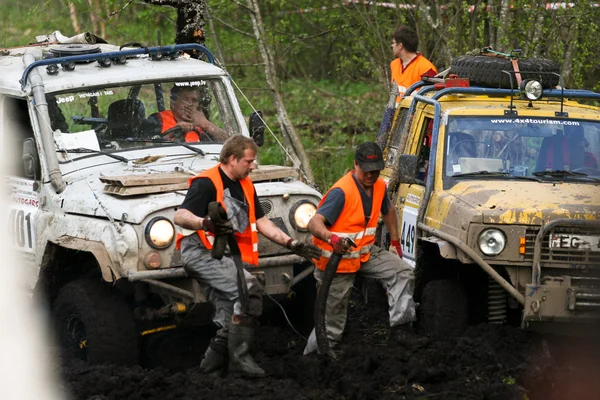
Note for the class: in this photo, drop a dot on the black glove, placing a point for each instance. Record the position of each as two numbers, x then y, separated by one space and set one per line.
219 229
306 250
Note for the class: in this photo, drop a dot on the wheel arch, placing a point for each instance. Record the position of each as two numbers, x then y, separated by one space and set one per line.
70 258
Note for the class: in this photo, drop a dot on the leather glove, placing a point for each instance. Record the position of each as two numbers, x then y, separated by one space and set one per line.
395 248
219 229
306 250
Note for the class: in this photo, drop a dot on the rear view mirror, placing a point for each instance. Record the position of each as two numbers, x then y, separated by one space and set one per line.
257 128
31 161
407 168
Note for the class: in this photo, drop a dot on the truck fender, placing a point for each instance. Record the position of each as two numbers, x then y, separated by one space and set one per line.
447 250
107 269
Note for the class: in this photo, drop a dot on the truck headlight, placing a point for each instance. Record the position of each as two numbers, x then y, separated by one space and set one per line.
159 233
301 213
491 242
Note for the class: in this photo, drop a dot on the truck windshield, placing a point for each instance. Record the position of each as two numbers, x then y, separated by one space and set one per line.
504 148
151 114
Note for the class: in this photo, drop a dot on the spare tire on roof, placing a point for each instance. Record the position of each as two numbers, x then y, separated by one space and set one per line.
487 71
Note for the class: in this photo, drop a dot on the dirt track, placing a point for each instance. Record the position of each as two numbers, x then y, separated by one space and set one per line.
486 362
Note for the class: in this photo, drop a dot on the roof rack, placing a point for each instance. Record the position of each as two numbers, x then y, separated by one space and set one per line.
116 54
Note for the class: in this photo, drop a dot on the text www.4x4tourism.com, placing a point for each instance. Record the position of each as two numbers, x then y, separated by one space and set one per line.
534 121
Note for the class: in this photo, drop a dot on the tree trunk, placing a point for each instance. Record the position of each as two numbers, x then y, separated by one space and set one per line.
292 141
190 20
504 23
215 39
473 30
567 64
93 17
435 22
491 15
73 16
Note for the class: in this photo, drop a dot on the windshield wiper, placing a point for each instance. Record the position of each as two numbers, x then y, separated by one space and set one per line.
497 173
84 150
165 141
561 173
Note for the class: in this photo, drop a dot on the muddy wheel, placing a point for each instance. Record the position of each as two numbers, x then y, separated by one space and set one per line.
95 323
487 71
444 308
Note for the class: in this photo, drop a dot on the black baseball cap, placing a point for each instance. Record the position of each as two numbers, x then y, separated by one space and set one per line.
369 157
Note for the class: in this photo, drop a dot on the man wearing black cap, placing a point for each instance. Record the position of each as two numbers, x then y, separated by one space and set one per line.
351 208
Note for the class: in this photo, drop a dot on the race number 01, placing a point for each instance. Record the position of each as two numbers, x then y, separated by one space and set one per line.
408 237
20 227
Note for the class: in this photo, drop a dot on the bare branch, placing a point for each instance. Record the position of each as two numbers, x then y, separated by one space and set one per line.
245 7
118 11
233 28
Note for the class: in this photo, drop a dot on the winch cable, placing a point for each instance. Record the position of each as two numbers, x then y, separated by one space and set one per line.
296 166
286 317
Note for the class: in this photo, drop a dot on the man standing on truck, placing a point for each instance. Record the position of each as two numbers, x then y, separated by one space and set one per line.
351 208
409 65
185 118
229 184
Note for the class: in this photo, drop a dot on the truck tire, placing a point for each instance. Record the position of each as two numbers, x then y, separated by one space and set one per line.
487 71
95 323
444 308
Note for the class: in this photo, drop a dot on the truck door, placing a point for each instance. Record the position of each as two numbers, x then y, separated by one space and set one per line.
22 177
409 196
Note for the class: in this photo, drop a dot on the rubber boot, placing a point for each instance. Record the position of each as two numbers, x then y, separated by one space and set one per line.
216 358
240 345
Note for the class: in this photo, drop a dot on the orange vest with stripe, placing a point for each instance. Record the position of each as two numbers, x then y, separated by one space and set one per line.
405 77
247 240
167 120
351 223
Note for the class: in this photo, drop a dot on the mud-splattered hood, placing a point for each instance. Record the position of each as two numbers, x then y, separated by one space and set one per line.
529 203
128 192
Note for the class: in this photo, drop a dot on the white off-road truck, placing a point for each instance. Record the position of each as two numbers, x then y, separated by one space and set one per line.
94 189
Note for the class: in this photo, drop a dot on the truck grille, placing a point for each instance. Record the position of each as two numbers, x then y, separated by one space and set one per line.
561 256
267 206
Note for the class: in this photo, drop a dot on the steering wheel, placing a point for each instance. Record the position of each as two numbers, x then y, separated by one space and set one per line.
588 170
177 133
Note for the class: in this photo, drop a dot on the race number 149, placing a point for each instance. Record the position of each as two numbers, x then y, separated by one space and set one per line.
407 238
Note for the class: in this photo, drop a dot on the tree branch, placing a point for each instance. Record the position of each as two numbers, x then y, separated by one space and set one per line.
233 28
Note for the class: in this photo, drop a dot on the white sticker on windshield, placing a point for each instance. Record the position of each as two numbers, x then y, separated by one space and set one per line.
84 139
456 168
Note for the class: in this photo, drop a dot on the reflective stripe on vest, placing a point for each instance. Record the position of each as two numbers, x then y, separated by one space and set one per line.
351 223
167 120
247 240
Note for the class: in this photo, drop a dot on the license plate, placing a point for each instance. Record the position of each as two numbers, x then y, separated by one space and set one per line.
575 242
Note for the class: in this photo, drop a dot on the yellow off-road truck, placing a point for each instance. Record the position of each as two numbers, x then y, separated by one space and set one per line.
496 184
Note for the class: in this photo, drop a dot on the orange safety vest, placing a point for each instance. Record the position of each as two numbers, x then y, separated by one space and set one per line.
351 223
405 77
167 120
247 240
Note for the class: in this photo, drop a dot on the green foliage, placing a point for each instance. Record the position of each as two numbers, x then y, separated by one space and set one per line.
331 120
332 60
22 20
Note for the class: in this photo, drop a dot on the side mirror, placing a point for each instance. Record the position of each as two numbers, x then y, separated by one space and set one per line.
407 168
31 161
257 128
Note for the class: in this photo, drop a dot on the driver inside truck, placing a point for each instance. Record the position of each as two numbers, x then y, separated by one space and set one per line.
184 121
566 150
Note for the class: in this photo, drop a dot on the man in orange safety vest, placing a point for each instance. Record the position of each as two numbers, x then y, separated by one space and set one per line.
228 183
351 208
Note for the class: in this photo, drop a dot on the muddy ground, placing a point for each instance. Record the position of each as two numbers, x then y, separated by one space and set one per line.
486 362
